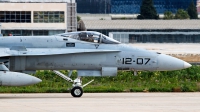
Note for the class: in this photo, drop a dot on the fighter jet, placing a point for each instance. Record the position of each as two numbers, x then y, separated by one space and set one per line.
90 53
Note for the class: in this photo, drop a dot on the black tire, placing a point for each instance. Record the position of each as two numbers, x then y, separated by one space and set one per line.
77 91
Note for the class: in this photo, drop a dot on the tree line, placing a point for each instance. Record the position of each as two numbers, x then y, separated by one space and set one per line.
148 11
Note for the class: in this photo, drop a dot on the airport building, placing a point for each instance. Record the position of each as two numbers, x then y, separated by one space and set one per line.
49 17
37 17
198 6
129 6
144 31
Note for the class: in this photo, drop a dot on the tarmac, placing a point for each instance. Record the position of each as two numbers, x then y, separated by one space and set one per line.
189 52
171 48
101 102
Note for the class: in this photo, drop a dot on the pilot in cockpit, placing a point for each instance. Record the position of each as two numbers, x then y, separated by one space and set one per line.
90 38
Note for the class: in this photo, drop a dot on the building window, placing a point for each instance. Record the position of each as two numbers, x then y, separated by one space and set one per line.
47 32
49 17
15 16
40 32
16 32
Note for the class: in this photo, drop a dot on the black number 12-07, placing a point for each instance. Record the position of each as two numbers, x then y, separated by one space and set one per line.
126 60
139 61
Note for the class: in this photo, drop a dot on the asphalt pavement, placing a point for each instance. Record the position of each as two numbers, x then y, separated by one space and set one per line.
101 102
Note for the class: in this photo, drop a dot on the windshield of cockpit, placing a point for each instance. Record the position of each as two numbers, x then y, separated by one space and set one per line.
94 37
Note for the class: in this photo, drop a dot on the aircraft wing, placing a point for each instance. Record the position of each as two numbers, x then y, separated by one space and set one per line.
49 51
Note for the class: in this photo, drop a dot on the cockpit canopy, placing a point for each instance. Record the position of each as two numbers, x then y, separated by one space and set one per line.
90 36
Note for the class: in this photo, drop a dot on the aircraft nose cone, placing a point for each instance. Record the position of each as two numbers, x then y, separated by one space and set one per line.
187 65
166 62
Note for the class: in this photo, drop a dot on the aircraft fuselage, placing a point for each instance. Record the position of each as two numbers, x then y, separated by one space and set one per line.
123 56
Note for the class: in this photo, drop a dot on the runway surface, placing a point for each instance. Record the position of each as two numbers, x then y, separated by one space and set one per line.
101 102
171 48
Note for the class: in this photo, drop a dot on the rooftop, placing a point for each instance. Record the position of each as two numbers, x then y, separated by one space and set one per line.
142 24
157 33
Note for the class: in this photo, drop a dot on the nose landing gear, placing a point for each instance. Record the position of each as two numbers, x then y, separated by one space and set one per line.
77 87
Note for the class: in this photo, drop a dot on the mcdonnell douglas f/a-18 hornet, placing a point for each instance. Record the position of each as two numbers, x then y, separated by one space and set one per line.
90 53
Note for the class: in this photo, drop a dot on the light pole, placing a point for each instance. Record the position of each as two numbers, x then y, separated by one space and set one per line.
0 28
105 6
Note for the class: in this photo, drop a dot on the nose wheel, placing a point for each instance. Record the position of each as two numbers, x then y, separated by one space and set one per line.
77 91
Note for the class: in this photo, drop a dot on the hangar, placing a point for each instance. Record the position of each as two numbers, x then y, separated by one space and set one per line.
142 31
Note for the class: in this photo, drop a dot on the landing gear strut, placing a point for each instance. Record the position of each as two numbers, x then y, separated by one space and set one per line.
77 87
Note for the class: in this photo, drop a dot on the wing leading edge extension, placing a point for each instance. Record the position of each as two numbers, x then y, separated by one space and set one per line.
48 51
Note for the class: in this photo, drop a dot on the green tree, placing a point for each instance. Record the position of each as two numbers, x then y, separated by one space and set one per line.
78 18
147 10
168 15
192 11
181 14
